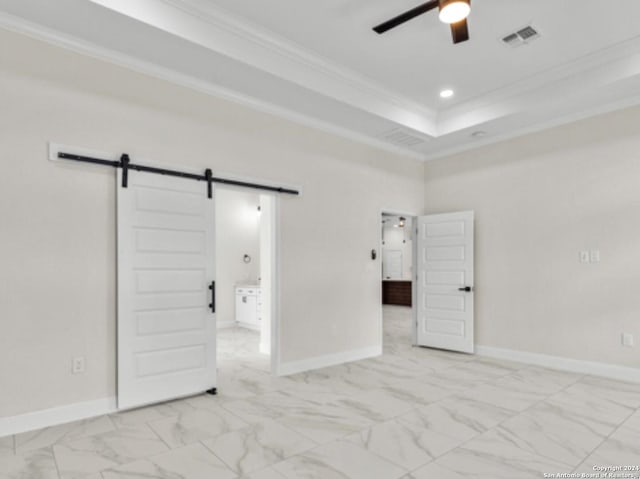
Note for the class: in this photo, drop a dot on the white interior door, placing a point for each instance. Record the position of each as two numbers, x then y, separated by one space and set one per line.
445 281
392 264
166 327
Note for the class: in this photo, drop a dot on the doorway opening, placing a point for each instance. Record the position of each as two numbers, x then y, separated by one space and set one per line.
172 289
245 259
397 280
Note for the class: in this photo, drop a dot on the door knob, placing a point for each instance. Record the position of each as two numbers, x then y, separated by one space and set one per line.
466 289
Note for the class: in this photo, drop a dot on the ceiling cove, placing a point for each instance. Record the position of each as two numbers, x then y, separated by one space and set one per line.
323 66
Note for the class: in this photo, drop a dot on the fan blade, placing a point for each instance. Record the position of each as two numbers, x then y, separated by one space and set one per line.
406 16
460 31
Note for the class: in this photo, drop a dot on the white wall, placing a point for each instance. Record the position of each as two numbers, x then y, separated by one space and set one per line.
237 234
57 244
539 200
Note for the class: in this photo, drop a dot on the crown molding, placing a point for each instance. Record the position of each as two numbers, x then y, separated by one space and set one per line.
496 101
295 52
584 70
82 47
541 126
223 35
598 82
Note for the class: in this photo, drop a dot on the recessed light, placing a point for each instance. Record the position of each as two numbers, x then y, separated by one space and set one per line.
446 93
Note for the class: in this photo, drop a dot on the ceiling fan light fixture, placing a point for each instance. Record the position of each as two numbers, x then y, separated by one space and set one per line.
454 11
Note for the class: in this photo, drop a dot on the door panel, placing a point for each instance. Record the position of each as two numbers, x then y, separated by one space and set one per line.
166 330
445 264
392 264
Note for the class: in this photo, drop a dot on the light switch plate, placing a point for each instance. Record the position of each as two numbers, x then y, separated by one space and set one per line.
584 256
627 340
77 365
594 256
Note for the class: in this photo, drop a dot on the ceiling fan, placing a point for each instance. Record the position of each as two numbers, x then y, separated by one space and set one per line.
453 12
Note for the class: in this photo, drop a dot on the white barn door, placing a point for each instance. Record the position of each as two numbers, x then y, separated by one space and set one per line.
445 281
166 326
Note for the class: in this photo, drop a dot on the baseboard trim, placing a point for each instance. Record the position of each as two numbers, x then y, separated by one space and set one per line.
293 367
55 416
252 327
612 371
88 409
225 324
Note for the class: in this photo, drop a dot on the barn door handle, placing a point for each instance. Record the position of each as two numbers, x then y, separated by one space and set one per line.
466 289
212 304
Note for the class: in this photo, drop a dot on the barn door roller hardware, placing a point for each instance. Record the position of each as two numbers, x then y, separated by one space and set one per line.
126 165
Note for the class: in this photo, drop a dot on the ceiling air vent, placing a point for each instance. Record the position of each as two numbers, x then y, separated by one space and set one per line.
401 137
527 32
521 37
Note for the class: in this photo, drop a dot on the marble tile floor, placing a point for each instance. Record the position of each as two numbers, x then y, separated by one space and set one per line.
412 413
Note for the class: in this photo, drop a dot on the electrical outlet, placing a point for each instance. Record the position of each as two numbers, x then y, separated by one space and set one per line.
77 365
594 256
627 340
584 256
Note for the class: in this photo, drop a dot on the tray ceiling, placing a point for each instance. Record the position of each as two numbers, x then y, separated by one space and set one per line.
319 63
